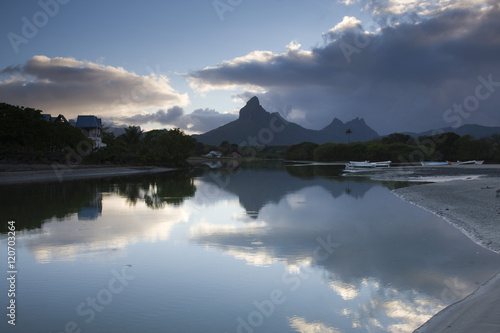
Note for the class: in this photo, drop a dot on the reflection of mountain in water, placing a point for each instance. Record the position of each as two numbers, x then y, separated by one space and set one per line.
32 204
379 240
256 187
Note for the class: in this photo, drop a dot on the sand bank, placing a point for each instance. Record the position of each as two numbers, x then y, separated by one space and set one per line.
468 197
16 174
471 205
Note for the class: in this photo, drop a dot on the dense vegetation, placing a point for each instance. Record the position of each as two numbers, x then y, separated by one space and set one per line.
157 147
25 136
402 148
303 151
227 149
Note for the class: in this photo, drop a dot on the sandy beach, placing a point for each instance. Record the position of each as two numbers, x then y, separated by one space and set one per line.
30 173
468 197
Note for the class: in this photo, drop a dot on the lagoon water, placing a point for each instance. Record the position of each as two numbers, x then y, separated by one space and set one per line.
243 248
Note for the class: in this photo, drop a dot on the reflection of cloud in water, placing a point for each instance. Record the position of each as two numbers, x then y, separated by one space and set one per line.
252 231
392 264
302 326
345 290
412 314
106 237
385 309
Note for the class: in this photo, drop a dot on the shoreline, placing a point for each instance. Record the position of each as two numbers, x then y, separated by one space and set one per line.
467 198
470 205
39 173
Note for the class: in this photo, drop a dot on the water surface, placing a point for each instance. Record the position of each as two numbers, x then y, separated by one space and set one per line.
255 248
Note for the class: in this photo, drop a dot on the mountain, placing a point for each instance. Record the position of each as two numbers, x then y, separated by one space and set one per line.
477 131
255 126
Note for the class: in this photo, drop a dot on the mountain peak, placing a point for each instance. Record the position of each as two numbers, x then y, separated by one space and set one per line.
336 121
356 120
254 111
254 101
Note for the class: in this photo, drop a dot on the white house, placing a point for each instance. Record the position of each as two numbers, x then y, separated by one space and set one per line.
213 153
91 127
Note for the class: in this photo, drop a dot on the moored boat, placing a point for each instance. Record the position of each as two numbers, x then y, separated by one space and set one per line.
433 163
463 162
354 166
384 164
364 164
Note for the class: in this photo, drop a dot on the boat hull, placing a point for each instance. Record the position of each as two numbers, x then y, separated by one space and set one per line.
354 166
433 163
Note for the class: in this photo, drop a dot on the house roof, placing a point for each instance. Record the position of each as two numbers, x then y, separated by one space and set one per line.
88 122
61 119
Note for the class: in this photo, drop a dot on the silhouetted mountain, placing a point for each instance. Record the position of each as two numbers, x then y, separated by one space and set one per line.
255 126
477 131
336 131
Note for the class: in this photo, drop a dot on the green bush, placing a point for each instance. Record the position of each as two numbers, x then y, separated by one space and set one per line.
301 152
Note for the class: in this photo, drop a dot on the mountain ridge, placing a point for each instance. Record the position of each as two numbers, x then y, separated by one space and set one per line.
255 126
477 131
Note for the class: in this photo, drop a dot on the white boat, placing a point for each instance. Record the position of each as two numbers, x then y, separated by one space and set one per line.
479 162
433 163
384 164
354 166
464 162
365 164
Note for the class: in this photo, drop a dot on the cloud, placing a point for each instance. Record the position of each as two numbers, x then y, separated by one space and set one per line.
199 121
252 70
419 8
301 325
72 87
404 77
348 22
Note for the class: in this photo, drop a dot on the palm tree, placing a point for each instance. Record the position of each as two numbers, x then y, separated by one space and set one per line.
132 135
347 133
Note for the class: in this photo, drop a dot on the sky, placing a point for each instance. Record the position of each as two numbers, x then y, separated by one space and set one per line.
401 65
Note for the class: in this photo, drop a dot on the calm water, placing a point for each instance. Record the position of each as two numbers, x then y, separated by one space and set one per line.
257 248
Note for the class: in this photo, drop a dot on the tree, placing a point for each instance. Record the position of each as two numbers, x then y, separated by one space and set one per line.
301 152
26 135
399 138
348 132
132 135
225 147
107 136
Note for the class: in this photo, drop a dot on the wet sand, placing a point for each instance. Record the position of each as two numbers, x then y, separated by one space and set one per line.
467 197
30 173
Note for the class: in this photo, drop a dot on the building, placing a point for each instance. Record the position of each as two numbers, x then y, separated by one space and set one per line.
91 127
59 119
213 153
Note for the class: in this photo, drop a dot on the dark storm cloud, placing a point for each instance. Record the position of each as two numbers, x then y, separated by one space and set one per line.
404 77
